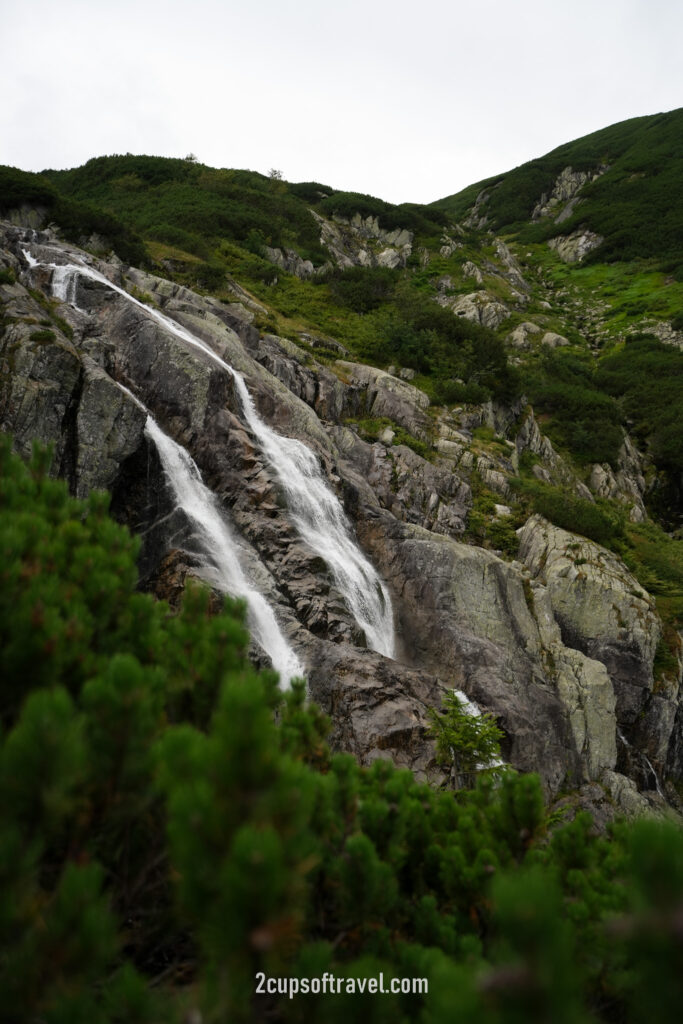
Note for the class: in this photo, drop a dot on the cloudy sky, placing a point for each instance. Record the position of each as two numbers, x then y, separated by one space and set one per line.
410 101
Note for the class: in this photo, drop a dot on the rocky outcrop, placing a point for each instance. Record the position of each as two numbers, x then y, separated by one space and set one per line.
573 248
553 340
522 639
290 261
380 394
626 483
361 242
521 336
477 218
479 307
470 269
551 467
402 482
601 608
561 202
512 272
467 615
663 331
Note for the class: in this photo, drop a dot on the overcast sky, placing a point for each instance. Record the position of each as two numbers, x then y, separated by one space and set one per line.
410 101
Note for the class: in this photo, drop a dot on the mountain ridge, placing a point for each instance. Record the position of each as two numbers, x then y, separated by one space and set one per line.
466 381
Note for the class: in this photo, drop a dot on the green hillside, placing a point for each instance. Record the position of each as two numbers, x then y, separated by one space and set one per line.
77 219
210 228
637 204
193 206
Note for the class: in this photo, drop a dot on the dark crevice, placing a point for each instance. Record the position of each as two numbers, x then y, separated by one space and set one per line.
68 467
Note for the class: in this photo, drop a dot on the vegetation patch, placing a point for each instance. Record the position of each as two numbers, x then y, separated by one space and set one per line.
173 826
601 522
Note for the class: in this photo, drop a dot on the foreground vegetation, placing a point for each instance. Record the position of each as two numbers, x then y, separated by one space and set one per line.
172 824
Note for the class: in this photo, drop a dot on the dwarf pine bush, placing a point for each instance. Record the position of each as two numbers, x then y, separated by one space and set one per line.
171 825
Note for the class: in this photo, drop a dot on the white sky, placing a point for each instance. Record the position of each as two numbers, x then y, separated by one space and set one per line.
410 101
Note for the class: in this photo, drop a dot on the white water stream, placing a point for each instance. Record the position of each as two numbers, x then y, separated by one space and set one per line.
316 511
220 548
201 507
646 759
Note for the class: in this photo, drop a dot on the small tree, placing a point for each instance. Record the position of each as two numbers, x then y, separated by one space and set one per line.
467 744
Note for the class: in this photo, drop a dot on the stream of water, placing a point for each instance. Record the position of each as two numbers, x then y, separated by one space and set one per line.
316 511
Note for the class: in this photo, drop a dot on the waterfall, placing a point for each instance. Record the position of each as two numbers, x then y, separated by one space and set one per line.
64 283
316 511
220 549
320 520
201 507
645 758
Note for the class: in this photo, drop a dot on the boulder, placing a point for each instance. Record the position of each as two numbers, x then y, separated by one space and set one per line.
479 307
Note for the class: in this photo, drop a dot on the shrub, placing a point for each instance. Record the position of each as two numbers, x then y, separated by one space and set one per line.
584 418
601 523
466 744
171 825
43 337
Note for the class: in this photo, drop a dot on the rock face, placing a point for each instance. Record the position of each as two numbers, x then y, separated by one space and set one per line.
573 248
564 197
289 261
361 242
603 612
559 646
380 394
626 484
479 307
600 607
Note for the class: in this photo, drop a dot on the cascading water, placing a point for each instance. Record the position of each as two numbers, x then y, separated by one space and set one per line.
320 519
201 507
64 283
316 511
220 549
645 758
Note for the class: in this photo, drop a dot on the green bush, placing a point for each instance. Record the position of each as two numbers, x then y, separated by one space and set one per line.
171 825
466 745
584 419
361 288
78 220
647 376
43 337
599 522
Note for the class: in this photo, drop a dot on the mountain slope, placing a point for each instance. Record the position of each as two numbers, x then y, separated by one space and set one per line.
422 345
636 202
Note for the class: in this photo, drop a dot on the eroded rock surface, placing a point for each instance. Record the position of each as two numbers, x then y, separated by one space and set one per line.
558 646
